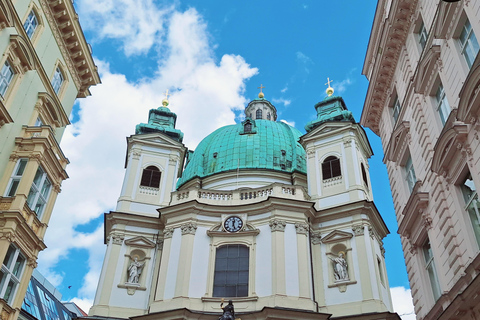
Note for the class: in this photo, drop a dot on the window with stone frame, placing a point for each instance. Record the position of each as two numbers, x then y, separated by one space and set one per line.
31 24
58 80
468 43
410 177
11 273
431 269
39 192
396 108
16 177
331 168
443 107
422 35
231 271
364 175
258 114
151 177
247 128
6 76
472 205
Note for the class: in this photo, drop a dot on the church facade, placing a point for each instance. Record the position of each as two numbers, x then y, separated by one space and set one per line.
282 224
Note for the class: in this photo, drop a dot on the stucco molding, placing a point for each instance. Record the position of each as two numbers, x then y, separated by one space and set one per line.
398 144
277 225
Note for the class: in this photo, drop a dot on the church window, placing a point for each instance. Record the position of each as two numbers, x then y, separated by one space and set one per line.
16 176
468 43
470 195
11 272
268 116
431 270
364 175
380 271
248 127
443 107
31 24
259 114
151 177
6 76
39 192
410 177
331 168
231 271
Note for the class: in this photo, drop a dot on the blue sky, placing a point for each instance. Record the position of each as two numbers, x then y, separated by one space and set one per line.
212 56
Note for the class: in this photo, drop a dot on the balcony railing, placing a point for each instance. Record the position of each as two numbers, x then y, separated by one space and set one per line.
239 196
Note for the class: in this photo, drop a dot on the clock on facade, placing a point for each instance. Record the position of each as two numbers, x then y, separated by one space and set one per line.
233 224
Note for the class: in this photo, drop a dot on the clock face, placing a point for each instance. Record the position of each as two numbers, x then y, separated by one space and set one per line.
233 224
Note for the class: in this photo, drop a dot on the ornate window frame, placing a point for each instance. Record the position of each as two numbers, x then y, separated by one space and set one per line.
59 68
32 7
49 111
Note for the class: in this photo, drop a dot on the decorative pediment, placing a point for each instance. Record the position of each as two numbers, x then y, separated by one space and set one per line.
448 14
469 105
427 70
51 111
5 117
447 152
6 15
336 235
398 143
218 231
21 54
140 242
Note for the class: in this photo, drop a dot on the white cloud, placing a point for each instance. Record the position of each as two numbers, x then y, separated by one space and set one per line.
341 87
84 304
204 94
402 303
283 101
284 90
138 24
304 61
290 123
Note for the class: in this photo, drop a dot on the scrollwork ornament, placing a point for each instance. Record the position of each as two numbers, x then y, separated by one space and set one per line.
316 238
10 236
189 228
413 249
168 233
31 262
277 225
117 238
358 230
301 228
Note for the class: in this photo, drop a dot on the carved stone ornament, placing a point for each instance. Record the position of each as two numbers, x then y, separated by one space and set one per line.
277 225
189 228
373 233
413 249
316 238
168 233
382 250
358 230
117 238
31 262
301 228
10 236
136 154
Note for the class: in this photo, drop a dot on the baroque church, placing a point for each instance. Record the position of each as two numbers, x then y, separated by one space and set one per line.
281 223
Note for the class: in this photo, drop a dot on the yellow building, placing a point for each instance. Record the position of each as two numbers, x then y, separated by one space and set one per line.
45 65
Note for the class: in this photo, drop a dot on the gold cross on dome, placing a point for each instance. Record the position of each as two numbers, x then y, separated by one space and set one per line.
261 87
328 82
167 94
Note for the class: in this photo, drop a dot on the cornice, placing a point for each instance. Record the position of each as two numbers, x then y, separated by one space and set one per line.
75 50
382 56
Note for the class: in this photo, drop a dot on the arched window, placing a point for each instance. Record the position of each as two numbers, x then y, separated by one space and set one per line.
151 177
268 116
248 127
259 114
331 168
231 271
58 79
364 175
31 23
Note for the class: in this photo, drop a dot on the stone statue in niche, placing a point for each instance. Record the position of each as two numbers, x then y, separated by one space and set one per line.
228 311
340 270
134 270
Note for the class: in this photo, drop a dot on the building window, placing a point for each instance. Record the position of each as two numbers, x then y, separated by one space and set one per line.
231 271
151 177
472 204
431 271
39 192
396 108
16 176
268 116
6 76
331 168
10 273
38 122
468 43
259 114
30 302
410 174
443 107
48 305
31 24
422 35
247 128
364 175
57 80
380 271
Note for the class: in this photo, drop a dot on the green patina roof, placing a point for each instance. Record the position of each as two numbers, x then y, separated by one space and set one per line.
161 120
230 148
330 109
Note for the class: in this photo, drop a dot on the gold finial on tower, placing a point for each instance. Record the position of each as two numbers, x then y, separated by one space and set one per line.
261 95
165 100
329 90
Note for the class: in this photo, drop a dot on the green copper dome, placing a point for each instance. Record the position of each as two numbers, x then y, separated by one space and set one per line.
252 144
